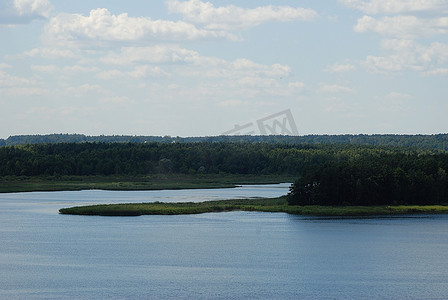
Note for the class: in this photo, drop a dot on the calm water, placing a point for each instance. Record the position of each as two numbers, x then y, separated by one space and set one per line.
235 255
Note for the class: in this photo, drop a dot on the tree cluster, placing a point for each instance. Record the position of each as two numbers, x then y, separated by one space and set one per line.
188 158
148 158
390 179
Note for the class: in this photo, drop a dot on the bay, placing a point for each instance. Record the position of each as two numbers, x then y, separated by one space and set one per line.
232 255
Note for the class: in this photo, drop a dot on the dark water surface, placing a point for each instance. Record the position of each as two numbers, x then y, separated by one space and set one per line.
234 255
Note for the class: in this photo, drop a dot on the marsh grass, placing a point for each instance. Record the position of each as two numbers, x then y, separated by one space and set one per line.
260 204
10 184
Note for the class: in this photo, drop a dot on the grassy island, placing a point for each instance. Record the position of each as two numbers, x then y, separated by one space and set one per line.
265 205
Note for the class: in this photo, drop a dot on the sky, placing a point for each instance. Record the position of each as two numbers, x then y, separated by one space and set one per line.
203 68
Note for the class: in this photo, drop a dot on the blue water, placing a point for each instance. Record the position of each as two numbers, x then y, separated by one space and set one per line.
233 255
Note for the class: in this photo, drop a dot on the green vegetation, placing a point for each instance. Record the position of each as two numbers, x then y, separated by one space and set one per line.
10 184
133 159
389 179
436 141
265 205
324 174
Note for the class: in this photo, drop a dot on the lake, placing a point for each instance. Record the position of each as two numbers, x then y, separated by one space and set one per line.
232 255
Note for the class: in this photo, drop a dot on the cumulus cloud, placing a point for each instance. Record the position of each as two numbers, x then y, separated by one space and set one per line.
102 26
408 55
24 11
403 26
232 17
398 6
5 66
203 65
436 72
67 70
49 53
401 23
33 7
154 54
137 72
8 80
85 89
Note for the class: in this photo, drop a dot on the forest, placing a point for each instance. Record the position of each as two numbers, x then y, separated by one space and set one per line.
327 174
384 180
191 158
435 141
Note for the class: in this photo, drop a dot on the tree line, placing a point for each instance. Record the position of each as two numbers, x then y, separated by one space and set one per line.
389 179
328 174
148 158
436 141
205 157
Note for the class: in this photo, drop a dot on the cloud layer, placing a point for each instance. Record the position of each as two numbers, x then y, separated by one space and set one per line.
102 26
24 11
232 17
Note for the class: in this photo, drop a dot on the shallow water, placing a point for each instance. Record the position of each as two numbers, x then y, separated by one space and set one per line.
229 255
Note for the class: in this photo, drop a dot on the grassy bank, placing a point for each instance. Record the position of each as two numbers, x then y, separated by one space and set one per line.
265 205
11 184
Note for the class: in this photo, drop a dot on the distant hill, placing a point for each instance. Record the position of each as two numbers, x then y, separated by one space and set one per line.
435 142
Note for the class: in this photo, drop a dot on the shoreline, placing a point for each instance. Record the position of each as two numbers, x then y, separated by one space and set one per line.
262 205
21 184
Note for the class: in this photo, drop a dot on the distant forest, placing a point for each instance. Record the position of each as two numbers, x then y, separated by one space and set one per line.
437 141
327 173
192 158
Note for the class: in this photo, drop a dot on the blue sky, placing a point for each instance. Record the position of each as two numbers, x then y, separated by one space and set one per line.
195 68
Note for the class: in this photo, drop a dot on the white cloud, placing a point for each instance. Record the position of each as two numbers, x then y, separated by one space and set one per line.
154 54
45 68
13 12
257 82
137 72
232 17
193 63
397 95
144 71
22 91
33 7
4 66
407 22
84 89
340 68
398 6
232 103
335 89
101 26
403 26
49 53
408 55
298 85
275 70
7 80
437 72
67 70
378 64
11 85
